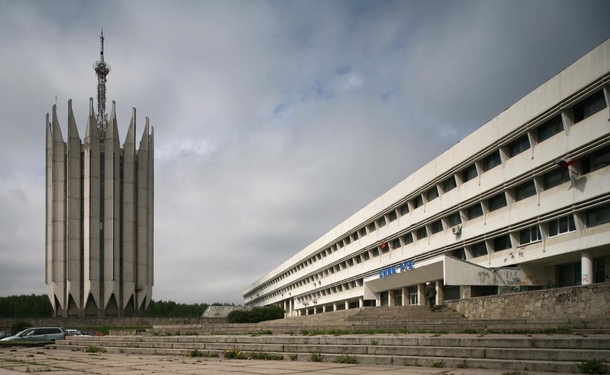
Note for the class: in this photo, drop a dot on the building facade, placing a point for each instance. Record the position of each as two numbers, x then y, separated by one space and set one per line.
522 203
99 218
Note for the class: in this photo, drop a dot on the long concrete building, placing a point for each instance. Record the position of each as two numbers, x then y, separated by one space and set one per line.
522 203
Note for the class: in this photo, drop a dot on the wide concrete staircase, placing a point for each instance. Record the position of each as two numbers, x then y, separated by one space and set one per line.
533 352
412 336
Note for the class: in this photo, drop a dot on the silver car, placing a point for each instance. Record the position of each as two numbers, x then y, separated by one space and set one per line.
39 334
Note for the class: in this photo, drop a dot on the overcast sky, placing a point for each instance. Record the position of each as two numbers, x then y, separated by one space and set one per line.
274 120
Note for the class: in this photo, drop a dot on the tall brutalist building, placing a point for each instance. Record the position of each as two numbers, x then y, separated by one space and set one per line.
99 216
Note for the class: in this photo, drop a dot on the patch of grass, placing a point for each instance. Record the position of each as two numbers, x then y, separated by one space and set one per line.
293 357
267 356
316 357
346 359
260 333
198 353
374 342
94 349
235 354
438 364
592 366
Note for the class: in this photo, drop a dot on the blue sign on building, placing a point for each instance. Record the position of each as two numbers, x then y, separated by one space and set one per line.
402 267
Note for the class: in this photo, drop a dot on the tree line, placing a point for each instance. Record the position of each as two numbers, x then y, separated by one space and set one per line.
30 306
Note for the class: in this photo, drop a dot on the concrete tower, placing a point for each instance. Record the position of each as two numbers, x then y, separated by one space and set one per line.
99 216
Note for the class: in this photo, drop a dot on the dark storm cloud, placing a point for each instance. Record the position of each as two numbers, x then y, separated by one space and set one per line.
274 121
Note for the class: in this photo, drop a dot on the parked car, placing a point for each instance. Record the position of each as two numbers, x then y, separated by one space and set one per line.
93 333
76 332
39 334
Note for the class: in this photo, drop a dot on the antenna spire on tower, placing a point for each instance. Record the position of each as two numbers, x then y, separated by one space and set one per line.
101 69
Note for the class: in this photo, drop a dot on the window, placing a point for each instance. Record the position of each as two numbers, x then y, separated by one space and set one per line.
408 238
595 161
549 129
355 235
347 240
589 106
555 177
599 270
529 235
396 243
422 233
491 160
569 274
363 232
372 227
459 253
393 215
418 201
454 219
404 209
432 194
365 256
375 252
525 190
469 173
518 145
496 202
598 215
449 184
474 211
381 221
502 243
479 249
437 226
563 225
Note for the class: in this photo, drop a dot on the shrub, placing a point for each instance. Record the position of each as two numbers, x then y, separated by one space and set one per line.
592 366
316 357
255 315
198 353
94 349
235 354
293 357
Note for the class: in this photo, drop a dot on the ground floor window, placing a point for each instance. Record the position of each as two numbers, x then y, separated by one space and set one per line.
569 274
398 297
451 292
353 305
383 296
370 302
413 295
483 290
599 270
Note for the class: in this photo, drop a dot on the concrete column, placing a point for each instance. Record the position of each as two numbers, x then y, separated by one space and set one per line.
421 295
390 297
586 266
346 305
465 291
335 306
361 302
439 292
306 311
405 296
323 308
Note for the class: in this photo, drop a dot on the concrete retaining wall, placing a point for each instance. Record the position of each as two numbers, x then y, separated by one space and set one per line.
6 323
589 301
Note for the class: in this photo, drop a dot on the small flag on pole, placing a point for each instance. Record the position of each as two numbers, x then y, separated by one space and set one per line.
565 163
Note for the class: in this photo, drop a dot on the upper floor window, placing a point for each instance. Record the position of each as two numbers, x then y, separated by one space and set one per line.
454 219
396 243
474 211
372 227
449 184
479 249
404 209
528 235
598 215
596 160
562 225
459 253
418 201
355 235
422 233
589 106
491 160
432 193
436 226
496 202
518 145
363 232
502 243
381 221
525 190
408 238
393 215
549 129
555 177
469 173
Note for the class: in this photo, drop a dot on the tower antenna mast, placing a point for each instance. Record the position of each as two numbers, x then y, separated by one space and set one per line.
101 69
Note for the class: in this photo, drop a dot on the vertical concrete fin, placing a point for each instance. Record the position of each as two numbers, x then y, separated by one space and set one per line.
72 129
130 138
57 136
49 210
144 140
151 207
113 127
92 130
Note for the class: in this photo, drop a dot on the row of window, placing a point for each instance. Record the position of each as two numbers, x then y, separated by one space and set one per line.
585 108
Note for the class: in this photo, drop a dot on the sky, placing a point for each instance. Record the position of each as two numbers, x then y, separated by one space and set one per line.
274 120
